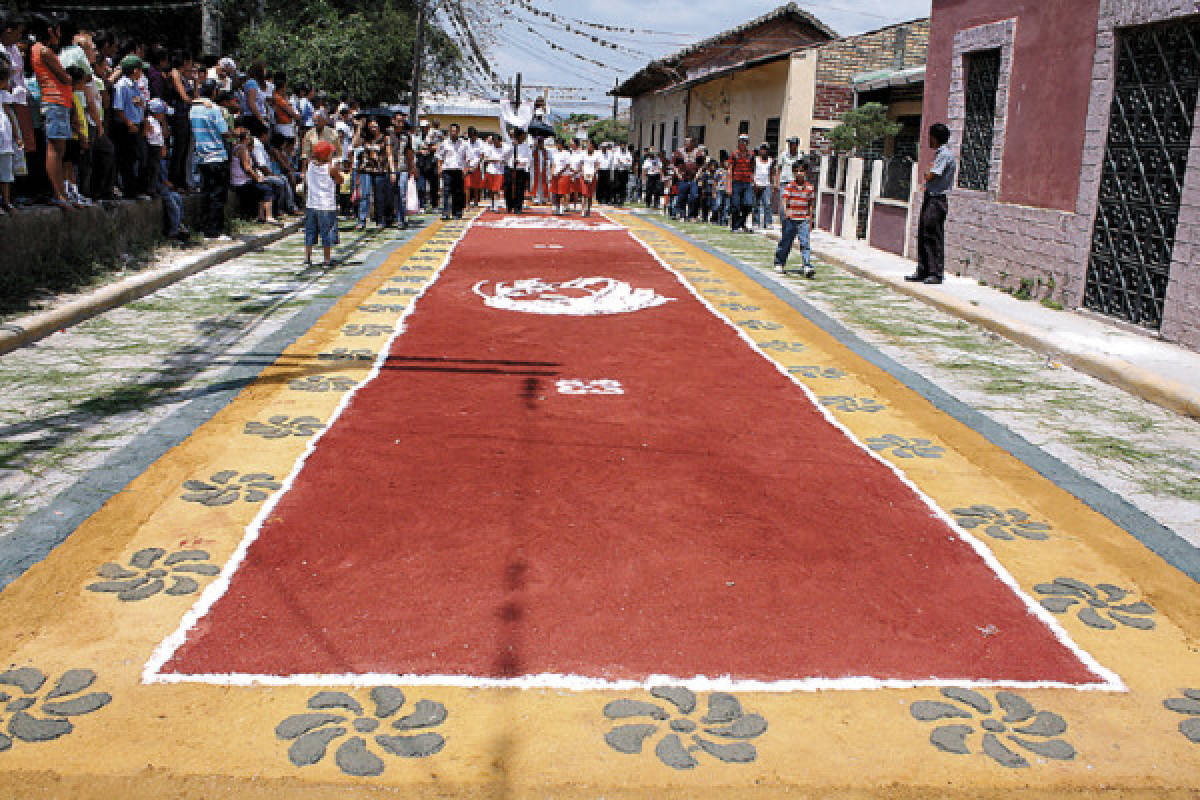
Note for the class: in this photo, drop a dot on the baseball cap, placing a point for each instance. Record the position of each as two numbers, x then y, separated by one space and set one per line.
129 63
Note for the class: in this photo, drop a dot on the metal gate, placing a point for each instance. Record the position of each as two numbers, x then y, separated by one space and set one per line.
1145 159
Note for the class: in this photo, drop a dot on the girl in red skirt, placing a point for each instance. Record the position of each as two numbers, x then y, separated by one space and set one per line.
493 169
589 171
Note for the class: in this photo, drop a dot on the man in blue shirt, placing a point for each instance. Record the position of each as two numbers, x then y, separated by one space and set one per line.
129 110
931 233
212 159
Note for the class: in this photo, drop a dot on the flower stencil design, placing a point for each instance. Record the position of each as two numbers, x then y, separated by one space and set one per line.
1016 719
342 354
739 307
225 488
1004 524
852 404
22 717
1099 607
148 573
336 714
720 292
1189 704
401 292
366 330
780 346
905 448
760 325
321 383
281 426
814 371
378 308
725 720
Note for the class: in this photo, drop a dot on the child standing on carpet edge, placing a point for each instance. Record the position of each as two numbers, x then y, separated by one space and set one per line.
797 204
320 206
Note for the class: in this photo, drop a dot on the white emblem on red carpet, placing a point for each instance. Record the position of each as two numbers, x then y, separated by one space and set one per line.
578 297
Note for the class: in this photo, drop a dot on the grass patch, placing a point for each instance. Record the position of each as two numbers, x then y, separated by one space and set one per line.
1053 305
1109 447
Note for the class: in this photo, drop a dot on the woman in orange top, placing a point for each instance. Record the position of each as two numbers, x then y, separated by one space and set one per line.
57 99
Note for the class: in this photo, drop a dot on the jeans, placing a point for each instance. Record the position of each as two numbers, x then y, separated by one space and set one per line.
214 183
454 199
762 206
685 200
364 187
791 231
400 193
741 200
653 190
721 207
381 192
104 169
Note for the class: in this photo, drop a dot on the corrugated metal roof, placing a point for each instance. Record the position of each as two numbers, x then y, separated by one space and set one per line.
882 79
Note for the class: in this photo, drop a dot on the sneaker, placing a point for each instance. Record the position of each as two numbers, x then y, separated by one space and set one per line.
933 280
809 272
916 277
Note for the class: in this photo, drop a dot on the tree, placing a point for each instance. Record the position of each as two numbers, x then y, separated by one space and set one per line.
357 50
609 130
863 127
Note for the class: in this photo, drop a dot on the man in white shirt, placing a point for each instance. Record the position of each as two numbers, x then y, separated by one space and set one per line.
764 168
520 158
473 177
622 166
604 167
453 154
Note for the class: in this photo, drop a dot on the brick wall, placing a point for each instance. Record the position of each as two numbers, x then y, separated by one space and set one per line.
895 47
832 100
819 142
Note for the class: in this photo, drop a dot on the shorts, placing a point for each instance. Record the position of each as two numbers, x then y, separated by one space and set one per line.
322 225
57 121
6 167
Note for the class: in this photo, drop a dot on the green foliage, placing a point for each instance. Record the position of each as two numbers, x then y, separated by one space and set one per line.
363 53
609 130
863 127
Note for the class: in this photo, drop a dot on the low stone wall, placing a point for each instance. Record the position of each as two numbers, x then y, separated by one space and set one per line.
47 249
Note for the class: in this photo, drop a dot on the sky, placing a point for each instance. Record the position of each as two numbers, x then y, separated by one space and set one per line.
516 49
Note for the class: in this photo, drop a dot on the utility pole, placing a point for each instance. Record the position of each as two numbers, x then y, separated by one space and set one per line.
418 53
517 94
616 84
210 27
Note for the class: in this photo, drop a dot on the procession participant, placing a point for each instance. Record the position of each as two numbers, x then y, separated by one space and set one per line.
796 205
560 179
452 160
604 167
764 169
652 168
722 178
520 156
543 154
623 165
473 178
741 174
493 158
574 171
589 171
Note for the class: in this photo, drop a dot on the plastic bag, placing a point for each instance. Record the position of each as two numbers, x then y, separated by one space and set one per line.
412 199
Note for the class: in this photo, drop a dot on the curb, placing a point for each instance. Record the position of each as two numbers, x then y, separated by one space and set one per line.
27 330
1118 372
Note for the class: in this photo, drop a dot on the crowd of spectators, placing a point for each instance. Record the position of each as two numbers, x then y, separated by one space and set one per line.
90 117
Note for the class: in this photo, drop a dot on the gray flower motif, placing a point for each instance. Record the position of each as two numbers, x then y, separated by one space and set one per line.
760 325
406 292
281 426
1020 724
852 404
27 716
1004 524
1189 704
148 573
378 308
334 715
225 488
408 279
342 354
905 448
725 720
366 330
814 371
1102 606
780 346
322 383
719 292
701 279
739 307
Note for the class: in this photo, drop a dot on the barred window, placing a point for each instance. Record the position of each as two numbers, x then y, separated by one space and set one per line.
982 76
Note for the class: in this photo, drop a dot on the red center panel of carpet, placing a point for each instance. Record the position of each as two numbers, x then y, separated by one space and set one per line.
464 516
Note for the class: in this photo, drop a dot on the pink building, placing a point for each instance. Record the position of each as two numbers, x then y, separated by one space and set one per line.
1079 152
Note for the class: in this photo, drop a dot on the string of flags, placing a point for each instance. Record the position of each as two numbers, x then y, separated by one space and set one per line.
566 25
594 25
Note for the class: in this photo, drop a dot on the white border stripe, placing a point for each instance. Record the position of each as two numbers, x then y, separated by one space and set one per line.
1109 680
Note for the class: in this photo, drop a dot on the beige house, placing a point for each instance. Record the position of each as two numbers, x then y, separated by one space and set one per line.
769 92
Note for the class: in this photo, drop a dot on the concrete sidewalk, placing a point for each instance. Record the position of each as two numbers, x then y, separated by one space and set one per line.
1140 363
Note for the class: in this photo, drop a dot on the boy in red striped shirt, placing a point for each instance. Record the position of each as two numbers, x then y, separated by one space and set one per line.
797 204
